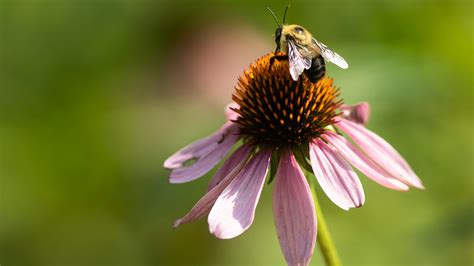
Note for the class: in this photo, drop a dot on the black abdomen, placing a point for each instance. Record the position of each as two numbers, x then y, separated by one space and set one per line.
317 69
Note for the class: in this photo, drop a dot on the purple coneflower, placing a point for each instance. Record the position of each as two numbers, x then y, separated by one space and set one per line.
284 125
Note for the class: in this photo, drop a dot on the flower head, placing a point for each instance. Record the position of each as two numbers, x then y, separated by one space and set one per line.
286 123
277 111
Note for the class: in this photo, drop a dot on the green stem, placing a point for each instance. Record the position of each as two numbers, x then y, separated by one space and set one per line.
324 239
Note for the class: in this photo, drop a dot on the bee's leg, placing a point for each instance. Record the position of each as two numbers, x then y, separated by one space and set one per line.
277 57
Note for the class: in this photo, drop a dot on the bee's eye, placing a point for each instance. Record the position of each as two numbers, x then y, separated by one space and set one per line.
299 30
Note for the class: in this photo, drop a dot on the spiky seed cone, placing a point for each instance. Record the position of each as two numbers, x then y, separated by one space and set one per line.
277 111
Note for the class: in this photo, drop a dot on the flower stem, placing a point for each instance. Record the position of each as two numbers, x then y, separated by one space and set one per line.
324 237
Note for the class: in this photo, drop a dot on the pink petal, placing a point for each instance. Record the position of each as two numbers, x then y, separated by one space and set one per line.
235 159
380 152
234 210
231 114
335 176
293 209
206 153
361 162
358 113
204 205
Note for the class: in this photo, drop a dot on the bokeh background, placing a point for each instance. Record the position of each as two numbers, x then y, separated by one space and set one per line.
96 94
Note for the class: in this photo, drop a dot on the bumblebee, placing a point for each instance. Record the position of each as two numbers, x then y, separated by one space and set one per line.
303 52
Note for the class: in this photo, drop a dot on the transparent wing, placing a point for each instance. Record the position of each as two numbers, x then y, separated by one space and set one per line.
298 62
330 55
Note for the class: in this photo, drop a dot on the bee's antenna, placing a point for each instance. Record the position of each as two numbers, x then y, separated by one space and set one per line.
274 16
284 15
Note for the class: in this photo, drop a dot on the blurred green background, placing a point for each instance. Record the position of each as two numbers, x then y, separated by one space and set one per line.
95 95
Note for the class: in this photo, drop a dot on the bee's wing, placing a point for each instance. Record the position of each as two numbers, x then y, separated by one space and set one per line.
297 61
330 55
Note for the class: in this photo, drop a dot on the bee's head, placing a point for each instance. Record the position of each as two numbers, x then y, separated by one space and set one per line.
278 35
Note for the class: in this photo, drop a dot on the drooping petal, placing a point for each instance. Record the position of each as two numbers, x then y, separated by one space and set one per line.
204 205
361 162
380 152
335 176
293 211
358 113
235 159
234 210
206 153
